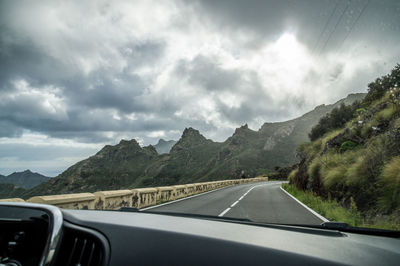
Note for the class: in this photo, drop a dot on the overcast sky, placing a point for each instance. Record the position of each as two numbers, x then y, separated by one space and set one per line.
76 75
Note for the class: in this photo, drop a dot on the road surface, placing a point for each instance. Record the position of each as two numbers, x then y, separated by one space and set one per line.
259 202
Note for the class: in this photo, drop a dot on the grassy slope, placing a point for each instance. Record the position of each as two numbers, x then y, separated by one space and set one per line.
358 165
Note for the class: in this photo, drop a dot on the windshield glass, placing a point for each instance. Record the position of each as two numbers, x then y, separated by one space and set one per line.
281 112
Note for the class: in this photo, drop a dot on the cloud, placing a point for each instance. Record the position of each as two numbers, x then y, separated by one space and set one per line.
95 72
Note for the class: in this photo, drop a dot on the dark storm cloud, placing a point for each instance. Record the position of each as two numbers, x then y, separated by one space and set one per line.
251 100
205 72
103 89
265 19
96 72
322 25
22 59
8 129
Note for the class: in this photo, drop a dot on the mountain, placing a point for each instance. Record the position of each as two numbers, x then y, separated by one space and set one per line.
164 146
193 158
25 179
274 144
189 160
113 167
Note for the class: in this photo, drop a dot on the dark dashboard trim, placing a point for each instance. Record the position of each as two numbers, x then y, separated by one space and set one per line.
55 227
104 241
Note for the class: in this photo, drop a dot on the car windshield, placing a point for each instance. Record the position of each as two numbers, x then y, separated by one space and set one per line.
274 112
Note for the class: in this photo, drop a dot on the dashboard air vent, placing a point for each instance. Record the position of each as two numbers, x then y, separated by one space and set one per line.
81 247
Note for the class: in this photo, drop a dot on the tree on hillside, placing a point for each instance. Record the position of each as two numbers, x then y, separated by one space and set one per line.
337 118
381 85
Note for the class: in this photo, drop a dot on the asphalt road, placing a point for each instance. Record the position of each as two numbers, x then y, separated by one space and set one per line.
259 202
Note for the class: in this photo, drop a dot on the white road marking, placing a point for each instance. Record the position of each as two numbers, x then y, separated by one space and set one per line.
305 206
233 205
224 212
236 202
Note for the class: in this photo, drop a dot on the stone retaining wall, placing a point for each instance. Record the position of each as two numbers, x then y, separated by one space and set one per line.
137 198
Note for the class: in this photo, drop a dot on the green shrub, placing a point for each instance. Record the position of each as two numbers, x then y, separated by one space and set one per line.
347 145
357 172
314 170
390 181
367 130
334 176
361 110
337 118
292 175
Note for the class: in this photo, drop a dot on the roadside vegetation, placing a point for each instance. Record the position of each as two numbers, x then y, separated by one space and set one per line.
334 211
353 159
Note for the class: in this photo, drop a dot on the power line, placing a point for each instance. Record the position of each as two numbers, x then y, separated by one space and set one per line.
326 25
354 24
337 24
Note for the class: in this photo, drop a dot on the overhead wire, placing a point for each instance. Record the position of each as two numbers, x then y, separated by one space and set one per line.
326 25
354 24
334 29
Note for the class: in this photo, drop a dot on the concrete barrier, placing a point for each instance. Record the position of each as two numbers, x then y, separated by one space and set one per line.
190 189
198 188
67 201
143 197
165 194
12 200
113 199
180 191
138 198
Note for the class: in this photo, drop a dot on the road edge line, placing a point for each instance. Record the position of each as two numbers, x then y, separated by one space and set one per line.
305 206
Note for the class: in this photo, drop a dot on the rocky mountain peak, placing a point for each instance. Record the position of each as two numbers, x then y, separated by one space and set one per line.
161 141
129 142
191 132
190 137
151 149
27 172
244 128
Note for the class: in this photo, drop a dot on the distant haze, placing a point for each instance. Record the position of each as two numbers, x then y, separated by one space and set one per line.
164 146
76 75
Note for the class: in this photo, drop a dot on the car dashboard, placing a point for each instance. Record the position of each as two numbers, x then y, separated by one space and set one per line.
35 234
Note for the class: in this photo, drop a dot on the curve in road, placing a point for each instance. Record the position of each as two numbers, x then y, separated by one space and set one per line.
262 202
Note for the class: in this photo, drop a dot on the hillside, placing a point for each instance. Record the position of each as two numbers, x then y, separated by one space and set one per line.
274 144
192 159
113 167
10 191
25 179
355 155
164 146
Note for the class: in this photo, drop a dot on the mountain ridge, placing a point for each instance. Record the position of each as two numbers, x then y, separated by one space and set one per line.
24 179
193 158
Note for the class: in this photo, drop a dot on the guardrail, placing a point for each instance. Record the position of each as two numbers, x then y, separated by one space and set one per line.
137 198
